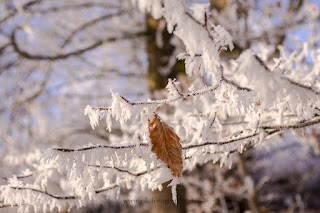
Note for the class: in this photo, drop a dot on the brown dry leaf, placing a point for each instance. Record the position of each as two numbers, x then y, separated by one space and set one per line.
166 145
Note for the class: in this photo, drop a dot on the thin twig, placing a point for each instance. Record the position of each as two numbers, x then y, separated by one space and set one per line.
124 170
71 197
167 100
276 129
97 147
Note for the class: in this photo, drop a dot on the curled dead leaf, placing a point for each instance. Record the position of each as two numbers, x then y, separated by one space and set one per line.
166 145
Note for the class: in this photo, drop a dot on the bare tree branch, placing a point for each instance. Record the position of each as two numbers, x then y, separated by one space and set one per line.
98 43
77 6
26 6
89 24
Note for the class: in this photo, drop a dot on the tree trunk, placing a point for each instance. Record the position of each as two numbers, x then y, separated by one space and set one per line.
158 57
163 202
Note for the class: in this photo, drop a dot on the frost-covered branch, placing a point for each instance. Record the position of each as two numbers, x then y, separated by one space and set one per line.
275 128
71 197
8 205
97 147
160 103
300 124
286 78
30 174
136 174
